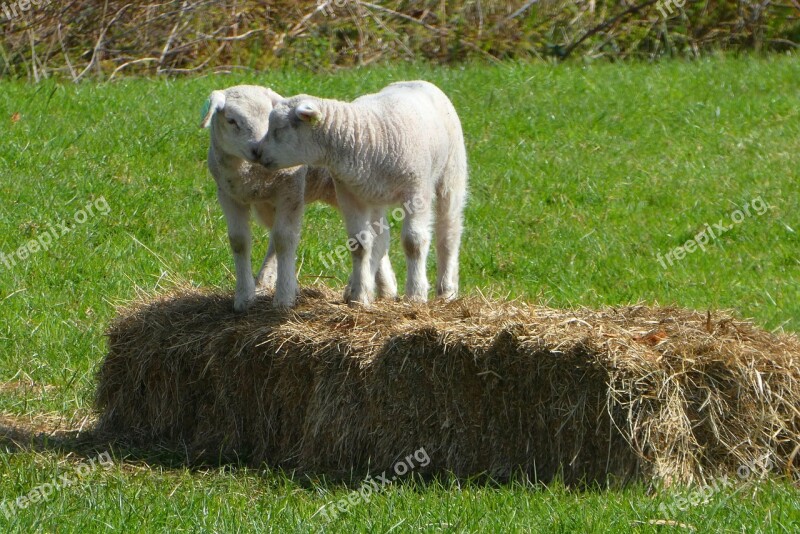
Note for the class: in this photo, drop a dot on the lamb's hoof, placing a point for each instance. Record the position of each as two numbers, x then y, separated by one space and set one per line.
357 301
359 304
447 294
242 303
284 302
387 293
347 293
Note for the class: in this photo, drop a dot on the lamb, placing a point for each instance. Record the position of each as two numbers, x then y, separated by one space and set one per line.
237 117
402 145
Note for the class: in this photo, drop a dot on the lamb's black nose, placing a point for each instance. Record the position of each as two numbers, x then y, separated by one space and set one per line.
256 154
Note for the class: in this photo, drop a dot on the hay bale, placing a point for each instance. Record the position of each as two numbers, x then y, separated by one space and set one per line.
486 387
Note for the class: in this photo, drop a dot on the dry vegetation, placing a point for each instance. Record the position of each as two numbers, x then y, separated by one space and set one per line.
81 38
487 387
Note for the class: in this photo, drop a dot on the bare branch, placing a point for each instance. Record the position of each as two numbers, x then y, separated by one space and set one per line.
100 41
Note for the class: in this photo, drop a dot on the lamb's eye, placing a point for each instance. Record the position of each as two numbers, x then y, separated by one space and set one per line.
233 122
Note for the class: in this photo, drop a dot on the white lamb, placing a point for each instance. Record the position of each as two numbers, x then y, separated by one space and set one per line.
238 118
403 145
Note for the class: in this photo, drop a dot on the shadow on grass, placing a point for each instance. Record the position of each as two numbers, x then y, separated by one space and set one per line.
49 435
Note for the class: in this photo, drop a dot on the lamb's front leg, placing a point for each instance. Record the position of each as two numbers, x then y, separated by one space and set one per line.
285 237
361 287
237 216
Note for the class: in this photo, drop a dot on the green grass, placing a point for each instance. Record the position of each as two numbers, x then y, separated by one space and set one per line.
580 178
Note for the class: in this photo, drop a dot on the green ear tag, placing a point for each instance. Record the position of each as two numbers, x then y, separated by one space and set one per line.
206 107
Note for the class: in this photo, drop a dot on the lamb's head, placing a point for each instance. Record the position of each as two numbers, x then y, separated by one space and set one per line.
291 138
239 118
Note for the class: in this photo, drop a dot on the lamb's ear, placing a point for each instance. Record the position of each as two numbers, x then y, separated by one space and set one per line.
273 96
215 102
308 111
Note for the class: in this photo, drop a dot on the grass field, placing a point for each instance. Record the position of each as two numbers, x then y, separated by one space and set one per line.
586 185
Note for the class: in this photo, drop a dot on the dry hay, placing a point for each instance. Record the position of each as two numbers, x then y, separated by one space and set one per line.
486 387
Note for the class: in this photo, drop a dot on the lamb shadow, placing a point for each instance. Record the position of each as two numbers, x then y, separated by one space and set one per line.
18 436
163 315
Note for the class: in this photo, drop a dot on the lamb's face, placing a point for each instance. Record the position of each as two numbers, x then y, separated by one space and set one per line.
239 117
241 126
289 140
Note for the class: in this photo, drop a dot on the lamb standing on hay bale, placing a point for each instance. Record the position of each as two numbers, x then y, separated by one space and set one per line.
238 118
485 387
403 145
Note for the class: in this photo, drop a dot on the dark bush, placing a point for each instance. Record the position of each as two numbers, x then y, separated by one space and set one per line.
83 38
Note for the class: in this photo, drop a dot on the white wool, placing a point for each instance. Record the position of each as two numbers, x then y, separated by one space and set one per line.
403 145
238 120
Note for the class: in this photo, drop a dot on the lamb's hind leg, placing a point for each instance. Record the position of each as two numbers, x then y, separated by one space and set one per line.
265 281
361 287
450 199
385 280
416 244
286 236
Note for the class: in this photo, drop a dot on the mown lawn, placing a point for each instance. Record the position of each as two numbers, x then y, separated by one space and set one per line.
583 180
